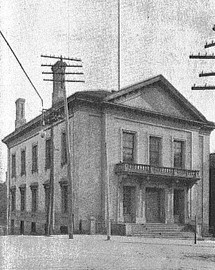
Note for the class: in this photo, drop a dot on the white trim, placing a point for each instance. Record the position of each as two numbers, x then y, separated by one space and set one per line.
155 125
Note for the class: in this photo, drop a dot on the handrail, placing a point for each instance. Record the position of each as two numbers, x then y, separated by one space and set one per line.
145 168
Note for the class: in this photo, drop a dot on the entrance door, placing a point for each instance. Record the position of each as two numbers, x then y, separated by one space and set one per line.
129 204
21 227
155 211
179 206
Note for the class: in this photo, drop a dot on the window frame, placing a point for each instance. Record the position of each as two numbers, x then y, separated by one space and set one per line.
182 142
64 199
34 161
63 148
34 199
159 156
13 165
133 148
23 164
48 154
13 199
22 199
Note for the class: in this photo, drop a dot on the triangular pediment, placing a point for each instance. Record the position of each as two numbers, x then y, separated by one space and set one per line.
159 96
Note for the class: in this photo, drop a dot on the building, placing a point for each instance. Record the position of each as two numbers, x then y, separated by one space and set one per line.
146 140
3 208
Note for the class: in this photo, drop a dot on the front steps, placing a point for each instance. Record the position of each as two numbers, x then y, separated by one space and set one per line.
157 230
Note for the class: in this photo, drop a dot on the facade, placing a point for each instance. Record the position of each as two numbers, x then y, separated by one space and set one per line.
3 208
145 147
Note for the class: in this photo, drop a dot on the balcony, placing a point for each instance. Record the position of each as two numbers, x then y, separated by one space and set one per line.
142 169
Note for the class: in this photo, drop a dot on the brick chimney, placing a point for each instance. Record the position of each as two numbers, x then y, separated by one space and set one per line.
20 113
58 81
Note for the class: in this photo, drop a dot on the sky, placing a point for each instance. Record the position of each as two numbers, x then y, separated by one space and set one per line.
157 37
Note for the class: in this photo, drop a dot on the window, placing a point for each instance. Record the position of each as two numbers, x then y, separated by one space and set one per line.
155 151
23 198
128 147
63 149
34 158
13 199
48 154
13 165
23 163
178 154
64 192
34 191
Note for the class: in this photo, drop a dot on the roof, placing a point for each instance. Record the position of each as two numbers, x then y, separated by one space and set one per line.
105 97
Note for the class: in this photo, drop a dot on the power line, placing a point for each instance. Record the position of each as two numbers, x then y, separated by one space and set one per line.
22 67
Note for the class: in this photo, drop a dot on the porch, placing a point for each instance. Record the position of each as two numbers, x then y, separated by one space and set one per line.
149 194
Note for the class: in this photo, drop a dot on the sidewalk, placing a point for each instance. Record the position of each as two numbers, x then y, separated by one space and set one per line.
95 252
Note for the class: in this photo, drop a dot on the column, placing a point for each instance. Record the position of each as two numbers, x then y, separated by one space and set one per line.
186 205
169 205
120 217
141 205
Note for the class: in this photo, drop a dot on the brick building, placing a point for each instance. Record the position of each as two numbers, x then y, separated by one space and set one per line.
147 140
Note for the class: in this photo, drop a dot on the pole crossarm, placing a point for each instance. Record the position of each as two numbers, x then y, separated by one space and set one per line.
51 80
206 74
208 45
74 66
206 87
60 73
61 58
199 56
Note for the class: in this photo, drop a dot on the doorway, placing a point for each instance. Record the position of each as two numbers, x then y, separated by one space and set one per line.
22 228
155 210
129 204
179 206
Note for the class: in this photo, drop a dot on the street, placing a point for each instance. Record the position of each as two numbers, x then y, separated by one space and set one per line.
95 252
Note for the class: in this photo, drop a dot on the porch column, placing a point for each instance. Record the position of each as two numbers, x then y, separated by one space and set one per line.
169 205
141 204
120 217
186 205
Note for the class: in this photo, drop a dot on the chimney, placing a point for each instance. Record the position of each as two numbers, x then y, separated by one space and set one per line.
20 113
58 81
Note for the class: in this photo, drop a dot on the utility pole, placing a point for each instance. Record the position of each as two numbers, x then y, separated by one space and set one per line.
204 87
68 143
205 74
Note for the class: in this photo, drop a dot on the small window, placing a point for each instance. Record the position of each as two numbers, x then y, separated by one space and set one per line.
13 165
23 163
22 199
155 151
34 158
178 154
34 192
64 192
63 149
128 147
48 154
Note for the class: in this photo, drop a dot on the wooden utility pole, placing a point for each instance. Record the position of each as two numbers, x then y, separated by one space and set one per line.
68 142
205 74
203 87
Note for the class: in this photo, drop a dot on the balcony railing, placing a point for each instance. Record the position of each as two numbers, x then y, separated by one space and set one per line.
143 169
